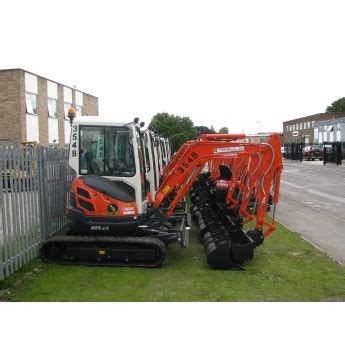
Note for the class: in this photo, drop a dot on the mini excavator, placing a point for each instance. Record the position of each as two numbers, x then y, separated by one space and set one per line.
127 200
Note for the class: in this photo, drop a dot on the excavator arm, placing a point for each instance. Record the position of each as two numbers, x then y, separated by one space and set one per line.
192 156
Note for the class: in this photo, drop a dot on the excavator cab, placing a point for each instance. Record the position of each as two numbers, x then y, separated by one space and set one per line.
151 159
109 157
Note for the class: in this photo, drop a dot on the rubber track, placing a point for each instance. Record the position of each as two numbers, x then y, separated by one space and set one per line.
141 241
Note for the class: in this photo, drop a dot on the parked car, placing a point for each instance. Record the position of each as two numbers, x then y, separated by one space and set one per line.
312 152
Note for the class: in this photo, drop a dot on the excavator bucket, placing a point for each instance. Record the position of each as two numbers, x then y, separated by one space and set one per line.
227 245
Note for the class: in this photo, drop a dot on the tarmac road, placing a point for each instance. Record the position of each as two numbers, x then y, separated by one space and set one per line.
312 203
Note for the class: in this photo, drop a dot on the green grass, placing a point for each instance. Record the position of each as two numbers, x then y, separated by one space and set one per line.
284 268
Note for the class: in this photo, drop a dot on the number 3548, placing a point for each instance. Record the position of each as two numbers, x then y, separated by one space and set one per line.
185 165
74 141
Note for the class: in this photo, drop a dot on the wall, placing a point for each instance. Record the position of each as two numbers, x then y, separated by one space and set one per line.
10 106
42 105
328 130
90 105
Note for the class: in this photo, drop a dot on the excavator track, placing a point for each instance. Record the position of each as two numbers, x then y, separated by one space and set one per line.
104 251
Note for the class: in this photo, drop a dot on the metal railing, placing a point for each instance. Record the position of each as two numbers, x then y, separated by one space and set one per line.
34 190
293 151
333 152
329 152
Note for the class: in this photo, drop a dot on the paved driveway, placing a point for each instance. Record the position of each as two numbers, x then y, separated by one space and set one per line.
312 203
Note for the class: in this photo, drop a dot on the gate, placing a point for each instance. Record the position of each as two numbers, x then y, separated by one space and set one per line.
332 152
293 151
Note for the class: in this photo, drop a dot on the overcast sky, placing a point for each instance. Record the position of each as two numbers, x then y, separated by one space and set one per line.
223 63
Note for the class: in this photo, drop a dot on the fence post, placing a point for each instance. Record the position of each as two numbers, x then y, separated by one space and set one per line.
339 153
2 242
42 202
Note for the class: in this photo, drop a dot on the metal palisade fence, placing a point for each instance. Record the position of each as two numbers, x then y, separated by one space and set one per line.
329 152
34 190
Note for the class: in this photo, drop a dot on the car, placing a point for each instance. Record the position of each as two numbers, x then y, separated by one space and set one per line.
312 152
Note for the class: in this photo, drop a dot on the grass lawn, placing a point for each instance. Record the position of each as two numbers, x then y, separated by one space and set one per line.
284 268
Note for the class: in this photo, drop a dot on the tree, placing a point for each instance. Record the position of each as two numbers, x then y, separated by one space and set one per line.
204 130
224 130
176 128
336 106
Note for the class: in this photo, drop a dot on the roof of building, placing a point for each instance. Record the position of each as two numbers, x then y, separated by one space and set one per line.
311 117
330 121
37 75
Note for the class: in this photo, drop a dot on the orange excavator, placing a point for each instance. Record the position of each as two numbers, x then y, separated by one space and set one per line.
118 218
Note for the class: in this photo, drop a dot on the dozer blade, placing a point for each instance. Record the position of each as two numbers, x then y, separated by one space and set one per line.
104 251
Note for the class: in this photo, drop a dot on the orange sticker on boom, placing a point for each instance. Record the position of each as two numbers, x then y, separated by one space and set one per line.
166 189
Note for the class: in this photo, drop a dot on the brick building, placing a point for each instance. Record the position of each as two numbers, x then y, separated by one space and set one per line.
301 130
34 109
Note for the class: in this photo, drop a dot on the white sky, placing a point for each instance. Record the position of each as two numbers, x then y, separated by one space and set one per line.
223 63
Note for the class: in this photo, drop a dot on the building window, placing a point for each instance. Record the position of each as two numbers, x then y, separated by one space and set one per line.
52 107
312 124
66 106
300 125
308 124
290 128
31 103
338 126
293 127
287 128
78 110
304 125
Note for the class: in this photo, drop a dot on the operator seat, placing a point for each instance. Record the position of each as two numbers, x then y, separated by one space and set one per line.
92 165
